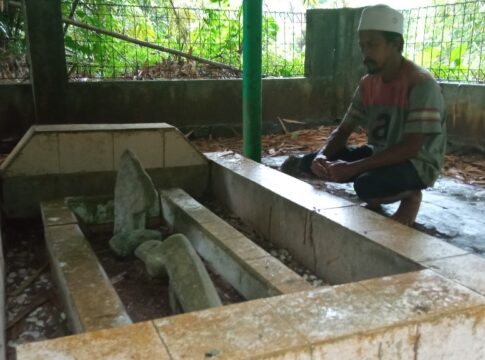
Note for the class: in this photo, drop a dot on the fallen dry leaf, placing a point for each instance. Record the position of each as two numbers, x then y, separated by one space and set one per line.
469 168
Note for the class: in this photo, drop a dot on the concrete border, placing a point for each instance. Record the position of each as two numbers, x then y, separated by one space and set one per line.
89 299
53 161
333 236
418 314
247 267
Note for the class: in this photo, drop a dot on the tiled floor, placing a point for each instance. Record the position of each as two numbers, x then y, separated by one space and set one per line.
452 211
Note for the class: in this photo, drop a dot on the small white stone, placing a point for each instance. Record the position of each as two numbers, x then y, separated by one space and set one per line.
36 311
30 335
21 298
22 272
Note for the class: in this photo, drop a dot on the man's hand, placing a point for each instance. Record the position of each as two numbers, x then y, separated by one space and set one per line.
336 171
341 171
319 167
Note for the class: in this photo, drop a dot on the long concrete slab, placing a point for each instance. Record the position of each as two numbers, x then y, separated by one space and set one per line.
246 266
90 301
418 315
350 239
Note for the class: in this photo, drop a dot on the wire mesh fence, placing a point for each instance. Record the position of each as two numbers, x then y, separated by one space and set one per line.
208 33
448 40
13 63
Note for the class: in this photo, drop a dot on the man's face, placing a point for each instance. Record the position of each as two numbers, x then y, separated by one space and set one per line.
375 50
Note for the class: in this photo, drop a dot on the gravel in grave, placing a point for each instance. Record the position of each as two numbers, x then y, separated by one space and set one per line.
33 311
280 253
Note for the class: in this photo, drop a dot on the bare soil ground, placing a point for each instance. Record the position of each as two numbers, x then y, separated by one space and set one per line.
33 309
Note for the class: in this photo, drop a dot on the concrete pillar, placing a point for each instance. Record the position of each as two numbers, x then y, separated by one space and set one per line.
332 51
47 59
2 297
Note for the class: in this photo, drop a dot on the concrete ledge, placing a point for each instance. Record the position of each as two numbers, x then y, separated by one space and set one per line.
55 161
137 341
89 299
67 149
417 315
331 236
468 270
247 267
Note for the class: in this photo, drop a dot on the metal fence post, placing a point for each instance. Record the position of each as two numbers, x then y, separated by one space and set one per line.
252 93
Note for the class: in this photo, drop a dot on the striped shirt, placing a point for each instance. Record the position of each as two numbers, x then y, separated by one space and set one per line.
411 103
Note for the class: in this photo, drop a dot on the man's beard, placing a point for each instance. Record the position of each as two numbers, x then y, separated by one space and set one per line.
372 67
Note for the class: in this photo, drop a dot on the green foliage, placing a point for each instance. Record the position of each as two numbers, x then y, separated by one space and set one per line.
214 34
12 42
448 39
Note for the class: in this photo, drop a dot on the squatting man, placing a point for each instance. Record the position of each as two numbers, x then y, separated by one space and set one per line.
401 107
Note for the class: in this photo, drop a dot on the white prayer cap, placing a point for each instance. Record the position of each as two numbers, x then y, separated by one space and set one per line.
382 18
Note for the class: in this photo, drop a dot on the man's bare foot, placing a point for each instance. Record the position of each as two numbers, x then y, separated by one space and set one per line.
408 209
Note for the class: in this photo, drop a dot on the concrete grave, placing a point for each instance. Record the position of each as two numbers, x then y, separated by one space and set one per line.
396 293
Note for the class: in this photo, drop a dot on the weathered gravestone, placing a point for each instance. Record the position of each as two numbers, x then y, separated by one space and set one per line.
150 252
134 197
191 287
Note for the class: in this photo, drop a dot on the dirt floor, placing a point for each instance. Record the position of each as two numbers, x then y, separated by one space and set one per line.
33 309
145 298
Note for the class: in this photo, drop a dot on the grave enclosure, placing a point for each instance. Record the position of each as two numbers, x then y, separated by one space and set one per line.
394 292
